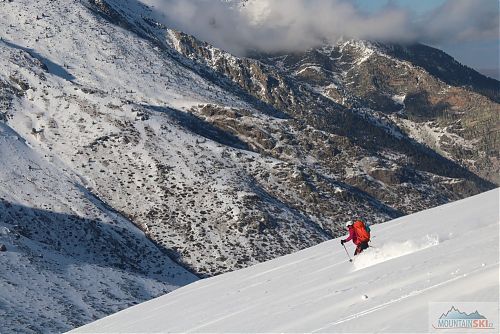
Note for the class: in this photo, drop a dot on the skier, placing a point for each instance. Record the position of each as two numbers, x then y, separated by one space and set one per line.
359 233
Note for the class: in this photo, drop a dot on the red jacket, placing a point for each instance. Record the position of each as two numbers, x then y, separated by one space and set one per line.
352 236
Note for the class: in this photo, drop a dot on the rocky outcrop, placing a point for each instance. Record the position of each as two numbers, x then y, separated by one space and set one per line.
427 94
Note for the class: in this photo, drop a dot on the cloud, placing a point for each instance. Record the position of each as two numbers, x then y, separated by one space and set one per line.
462 21
290 25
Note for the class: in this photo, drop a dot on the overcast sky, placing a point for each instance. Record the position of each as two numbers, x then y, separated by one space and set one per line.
481 54
466 29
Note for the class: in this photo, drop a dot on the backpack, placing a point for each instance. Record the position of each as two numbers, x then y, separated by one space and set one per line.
362 233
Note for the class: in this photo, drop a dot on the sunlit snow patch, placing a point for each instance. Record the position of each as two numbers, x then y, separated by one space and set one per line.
391 250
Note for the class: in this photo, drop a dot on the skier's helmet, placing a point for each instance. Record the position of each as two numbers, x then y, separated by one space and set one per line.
349 223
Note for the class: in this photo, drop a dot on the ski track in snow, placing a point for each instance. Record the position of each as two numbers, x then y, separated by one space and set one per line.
409 295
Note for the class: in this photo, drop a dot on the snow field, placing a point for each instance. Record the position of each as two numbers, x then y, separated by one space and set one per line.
449 253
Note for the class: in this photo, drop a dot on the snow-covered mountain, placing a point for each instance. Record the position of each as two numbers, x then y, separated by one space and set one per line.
423 91
123 139
69 258
445 254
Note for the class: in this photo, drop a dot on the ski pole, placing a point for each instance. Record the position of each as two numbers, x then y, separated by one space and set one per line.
350 260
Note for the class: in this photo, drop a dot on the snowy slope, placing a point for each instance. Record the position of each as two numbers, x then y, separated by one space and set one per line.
183 138
449 253
113 108
108 125
69 258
